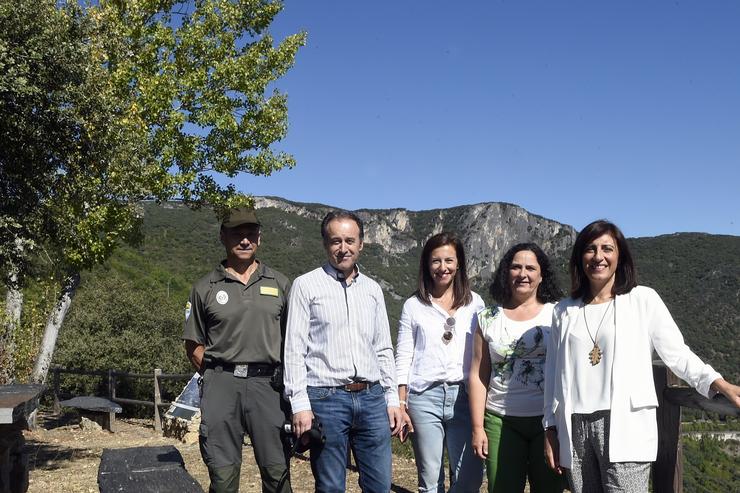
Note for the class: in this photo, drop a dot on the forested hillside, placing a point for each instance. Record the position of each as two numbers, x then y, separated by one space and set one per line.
128 314
698 277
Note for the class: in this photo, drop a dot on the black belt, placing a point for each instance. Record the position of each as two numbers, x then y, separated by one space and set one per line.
356 386
253 369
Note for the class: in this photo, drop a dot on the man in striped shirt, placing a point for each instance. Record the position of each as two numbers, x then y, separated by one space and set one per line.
339 365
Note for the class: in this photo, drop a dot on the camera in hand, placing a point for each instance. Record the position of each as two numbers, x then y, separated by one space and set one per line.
312 437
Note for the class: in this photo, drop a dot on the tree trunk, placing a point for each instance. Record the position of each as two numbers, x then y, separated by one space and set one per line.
11 322
51 331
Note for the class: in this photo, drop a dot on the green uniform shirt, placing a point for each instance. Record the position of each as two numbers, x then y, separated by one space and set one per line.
239 323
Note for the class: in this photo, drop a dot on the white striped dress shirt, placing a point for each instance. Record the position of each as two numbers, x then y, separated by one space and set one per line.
337 334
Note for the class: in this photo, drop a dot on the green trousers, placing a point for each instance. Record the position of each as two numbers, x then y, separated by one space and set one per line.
515 453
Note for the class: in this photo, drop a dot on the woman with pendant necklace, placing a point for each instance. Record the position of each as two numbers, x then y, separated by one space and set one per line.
432 360
599 393
507 373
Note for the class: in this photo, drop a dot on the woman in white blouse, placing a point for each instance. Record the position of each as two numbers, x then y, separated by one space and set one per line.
508 372
432 360
599 394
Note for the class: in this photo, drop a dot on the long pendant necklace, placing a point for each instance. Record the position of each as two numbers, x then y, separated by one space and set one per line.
594 356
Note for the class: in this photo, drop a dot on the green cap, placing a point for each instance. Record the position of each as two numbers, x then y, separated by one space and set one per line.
239 216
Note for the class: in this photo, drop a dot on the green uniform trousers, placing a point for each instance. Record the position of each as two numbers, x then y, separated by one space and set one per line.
231 406
515 453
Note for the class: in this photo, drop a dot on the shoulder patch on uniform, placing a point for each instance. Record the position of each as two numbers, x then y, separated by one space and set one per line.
269 291
222 297
188 307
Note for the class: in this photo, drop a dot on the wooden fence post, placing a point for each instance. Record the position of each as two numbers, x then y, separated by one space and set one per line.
157 400
111 385
57 406
111 420
668 466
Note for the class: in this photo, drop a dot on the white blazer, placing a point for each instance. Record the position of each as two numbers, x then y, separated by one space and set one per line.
643 324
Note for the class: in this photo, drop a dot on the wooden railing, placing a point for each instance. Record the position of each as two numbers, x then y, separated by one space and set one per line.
672 395
111 377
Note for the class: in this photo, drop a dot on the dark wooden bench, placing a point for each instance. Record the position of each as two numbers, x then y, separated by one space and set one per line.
98 409
145 470
17 402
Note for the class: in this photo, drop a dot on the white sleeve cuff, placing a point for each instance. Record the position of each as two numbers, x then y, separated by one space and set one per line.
704 387
300 403
391 398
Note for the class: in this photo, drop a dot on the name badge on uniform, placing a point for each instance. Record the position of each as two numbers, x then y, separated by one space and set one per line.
268 291
240 371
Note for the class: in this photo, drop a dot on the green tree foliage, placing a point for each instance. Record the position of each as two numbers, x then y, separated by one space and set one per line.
117 323
58 137
711 465
65 177
698 277
104 104
193 75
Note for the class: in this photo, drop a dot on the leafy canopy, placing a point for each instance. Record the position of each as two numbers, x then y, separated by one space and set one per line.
194 77
105 103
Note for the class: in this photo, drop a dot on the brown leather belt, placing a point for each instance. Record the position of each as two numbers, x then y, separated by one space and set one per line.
357 386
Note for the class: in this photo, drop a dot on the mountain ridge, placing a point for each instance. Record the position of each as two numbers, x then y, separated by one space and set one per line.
399 230
697 274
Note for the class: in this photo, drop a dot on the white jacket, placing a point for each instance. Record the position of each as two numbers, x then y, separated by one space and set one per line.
643 324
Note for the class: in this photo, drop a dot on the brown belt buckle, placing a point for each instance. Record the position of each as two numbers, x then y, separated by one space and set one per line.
356 386
241 371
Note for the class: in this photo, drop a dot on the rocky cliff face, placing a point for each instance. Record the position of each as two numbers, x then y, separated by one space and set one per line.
487 229
492 228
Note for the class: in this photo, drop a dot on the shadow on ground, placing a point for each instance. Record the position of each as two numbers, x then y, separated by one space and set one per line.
394 487
43 456
51 421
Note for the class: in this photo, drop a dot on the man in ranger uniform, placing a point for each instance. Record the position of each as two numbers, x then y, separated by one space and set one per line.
234 326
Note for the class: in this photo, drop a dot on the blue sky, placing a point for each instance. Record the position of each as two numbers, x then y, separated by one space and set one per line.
574 110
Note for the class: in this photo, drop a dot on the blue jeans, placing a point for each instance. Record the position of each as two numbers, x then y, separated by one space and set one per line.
441 417
360 418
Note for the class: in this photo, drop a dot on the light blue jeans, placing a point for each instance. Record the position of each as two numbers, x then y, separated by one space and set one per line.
441 419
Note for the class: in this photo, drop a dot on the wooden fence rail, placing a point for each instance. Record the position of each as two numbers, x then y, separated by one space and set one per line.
112 377
672 395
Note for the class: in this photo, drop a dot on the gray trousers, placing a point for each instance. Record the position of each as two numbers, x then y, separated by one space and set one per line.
591 471
230 407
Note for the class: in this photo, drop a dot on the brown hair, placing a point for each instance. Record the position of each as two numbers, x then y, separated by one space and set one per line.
461 286
340 214
626 275
548 290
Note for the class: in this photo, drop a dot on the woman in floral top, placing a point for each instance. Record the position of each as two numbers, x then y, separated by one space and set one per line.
507 378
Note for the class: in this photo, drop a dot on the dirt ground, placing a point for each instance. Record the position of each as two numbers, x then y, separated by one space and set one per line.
65 458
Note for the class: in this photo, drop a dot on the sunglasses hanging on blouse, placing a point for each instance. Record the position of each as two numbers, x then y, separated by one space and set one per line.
449 330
